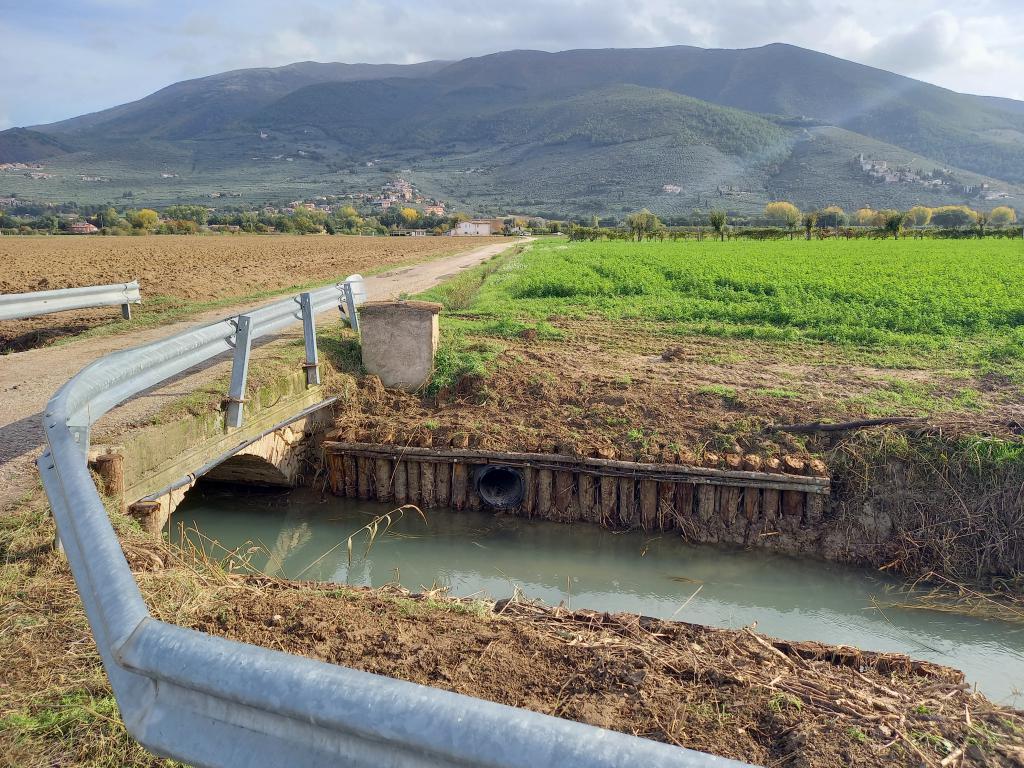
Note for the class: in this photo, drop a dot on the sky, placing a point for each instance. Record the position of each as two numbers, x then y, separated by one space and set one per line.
62 58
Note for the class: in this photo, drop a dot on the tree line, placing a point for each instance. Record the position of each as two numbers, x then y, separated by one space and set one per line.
190 219
786 220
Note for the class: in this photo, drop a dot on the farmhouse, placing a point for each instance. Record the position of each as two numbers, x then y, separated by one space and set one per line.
82 228
479 227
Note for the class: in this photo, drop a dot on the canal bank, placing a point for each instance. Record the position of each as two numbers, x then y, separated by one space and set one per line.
305 535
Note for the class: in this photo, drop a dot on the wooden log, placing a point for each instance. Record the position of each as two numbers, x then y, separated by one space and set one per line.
666 506
771 504
564 490
608 488
351 475
366 467
412 471
793 465
336 473
443 484
110 468
751 503
460 490
382 480
752 462
792 509
684 504
649 504
427 489
729 500
677 472
473 500
590 510
545 482
149 515
529 505
401 482
627 502
705 503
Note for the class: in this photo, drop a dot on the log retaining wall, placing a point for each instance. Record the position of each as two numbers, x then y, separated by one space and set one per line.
706 505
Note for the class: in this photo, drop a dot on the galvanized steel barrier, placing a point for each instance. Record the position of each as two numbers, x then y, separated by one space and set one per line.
215 702
17 306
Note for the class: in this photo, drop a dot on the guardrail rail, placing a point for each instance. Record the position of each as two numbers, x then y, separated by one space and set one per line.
18 306
209 701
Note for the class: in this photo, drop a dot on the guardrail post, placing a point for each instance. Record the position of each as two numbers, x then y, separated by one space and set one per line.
350 305
239 370
126 311
312 364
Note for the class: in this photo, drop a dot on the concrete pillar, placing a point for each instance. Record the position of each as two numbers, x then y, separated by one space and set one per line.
399 340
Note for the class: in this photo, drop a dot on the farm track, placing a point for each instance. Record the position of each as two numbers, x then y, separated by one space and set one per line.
28 379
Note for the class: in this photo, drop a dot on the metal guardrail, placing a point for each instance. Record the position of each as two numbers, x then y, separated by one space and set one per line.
209 701
17 306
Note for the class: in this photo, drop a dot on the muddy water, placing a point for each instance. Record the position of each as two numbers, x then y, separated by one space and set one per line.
301 535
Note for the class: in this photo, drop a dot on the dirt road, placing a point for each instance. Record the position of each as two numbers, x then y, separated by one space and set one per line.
28 379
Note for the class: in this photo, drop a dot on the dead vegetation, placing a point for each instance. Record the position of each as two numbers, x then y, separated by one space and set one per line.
948 509
734 693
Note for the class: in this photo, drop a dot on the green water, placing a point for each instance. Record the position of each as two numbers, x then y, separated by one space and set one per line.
303 535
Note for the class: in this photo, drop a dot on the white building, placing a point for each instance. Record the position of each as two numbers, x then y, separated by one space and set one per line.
475 227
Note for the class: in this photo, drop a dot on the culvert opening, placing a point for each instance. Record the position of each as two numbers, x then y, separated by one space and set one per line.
500 487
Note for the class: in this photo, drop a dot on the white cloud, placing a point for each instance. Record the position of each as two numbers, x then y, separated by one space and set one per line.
106 52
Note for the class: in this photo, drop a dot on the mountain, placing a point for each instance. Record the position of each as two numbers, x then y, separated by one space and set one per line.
589 131
21 145
978 133
190 108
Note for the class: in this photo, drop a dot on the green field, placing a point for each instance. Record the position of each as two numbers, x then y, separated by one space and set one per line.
918 297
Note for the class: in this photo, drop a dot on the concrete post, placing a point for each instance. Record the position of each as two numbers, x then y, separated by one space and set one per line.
399 341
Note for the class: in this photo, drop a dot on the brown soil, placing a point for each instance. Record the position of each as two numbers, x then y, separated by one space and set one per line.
732 693
648 396
189 269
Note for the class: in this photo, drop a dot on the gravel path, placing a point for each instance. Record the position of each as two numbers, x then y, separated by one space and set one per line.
28 379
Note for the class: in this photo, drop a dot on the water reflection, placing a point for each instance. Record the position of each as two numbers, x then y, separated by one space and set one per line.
301 535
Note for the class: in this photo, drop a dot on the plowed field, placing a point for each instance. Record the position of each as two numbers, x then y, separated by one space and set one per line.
181 273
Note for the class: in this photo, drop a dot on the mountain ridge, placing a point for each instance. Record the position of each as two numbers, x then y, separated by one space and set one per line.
713 117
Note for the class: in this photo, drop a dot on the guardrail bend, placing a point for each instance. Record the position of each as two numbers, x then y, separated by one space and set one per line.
209 701
18 306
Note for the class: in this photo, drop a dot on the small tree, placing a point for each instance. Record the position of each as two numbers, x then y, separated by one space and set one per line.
409 216
146 219
1002 216
919 216
197 213
718 221
894 222
832 216
868 217
982 221
782 213
643 224
954 216
809 220
108 218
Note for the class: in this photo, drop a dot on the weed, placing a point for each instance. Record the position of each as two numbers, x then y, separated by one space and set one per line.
780 702
724 392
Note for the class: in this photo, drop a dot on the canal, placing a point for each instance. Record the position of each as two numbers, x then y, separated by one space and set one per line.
302 535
